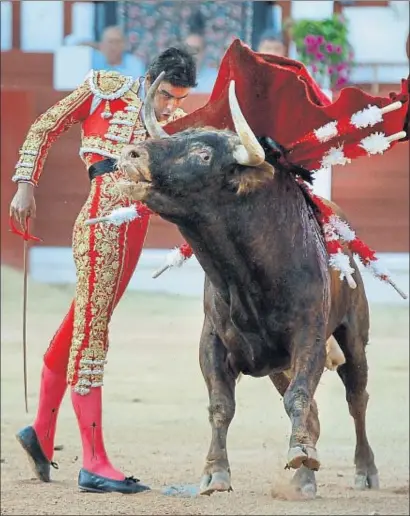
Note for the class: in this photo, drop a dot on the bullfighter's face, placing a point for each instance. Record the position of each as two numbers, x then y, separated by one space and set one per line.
167 98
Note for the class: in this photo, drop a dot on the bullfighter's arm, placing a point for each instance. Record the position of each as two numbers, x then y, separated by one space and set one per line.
46 129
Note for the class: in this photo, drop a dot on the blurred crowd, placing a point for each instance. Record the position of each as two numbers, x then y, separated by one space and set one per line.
116 51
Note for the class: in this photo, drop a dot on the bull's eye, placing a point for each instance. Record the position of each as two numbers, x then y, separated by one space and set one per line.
134 154
203 154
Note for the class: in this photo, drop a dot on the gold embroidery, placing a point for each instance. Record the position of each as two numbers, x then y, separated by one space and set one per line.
140 136
98 143
126 116
105 147
107 111
109 83
98 301
45 129
81 252
123 131
118 135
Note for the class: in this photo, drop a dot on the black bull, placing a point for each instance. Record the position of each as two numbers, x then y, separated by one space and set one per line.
270 300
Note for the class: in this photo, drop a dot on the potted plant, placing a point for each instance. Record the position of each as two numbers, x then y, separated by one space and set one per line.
323 47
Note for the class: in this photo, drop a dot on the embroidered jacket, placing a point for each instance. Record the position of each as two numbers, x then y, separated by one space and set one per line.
107 105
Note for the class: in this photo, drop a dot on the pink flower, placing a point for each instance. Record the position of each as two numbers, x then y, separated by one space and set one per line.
313 40
330 48
331 70
320 40
309 40
341 81
319 56
314 68
340 67
338 49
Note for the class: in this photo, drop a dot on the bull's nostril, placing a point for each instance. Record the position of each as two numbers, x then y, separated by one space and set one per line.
134 154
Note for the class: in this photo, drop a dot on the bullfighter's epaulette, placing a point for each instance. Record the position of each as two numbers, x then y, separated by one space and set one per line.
107 85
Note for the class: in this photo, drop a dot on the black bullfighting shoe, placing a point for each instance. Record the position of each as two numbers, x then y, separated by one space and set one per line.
41 465
92 483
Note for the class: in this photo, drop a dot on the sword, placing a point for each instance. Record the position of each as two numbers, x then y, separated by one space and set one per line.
25 271
26 237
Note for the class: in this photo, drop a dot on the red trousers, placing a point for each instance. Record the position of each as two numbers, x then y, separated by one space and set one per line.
105 257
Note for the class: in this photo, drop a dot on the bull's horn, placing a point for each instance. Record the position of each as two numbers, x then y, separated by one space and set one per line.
152 125
250 152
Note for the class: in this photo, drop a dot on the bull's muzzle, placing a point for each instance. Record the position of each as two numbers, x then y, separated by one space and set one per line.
134 162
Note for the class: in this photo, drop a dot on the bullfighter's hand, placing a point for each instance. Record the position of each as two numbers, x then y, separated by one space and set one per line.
23 204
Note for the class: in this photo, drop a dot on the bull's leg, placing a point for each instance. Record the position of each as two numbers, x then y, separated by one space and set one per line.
304 479
354 376
308 361
220 382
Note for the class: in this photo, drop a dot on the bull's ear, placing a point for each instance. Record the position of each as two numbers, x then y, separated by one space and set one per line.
249 179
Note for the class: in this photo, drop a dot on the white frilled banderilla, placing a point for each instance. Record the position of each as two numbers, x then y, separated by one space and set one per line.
175 258
334 229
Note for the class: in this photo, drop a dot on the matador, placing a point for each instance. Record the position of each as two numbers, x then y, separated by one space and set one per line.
108 105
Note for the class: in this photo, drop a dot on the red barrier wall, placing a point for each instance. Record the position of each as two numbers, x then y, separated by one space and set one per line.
372 191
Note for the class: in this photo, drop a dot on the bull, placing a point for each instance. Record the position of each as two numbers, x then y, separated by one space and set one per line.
270 300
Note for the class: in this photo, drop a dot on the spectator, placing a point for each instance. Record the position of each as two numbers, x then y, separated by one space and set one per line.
271 43
111 55
206 75
195 40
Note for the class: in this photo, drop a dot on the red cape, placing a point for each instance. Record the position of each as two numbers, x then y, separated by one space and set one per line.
280 99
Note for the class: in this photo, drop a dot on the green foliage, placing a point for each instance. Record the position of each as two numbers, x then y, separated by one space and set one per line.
323 46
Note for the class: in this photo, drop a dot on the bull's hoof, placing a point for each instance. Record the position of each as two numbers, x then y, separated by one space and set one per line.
366 481
303 455
304 481
219 481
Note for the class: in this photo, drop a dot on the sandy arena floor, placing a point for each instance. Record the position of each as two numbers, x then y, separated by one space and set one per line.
156 422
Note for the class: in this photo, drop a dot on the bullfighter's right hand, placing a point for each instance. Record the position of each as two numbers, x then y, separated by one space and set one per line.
23 204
